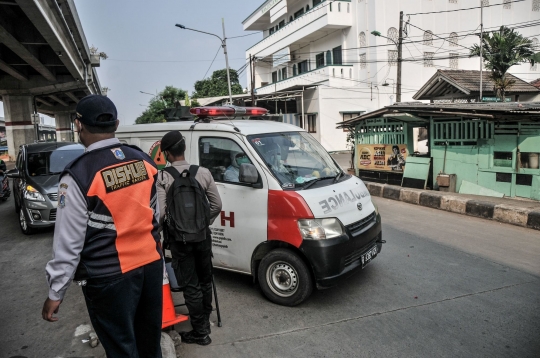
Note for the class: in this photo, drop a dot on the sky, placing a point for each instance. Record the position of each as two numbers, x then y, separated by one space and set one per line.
147 52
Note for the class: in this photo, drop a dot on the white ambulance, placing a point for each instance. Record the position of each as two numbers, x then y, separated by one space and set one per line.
291 217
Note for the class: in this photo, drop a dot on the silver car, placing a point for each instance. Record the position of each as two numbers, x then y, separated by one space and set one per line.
35 181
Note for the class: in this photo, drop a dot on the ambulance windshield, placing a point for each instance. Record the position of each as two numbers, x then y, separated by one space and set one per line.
296 159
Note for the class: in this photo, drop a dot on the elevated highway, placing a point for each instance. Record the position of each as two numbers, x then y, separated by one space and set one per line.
46 66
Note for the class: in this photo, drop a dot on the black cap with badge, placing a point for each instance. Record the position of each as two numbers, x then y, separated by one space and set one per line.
170 139
91 107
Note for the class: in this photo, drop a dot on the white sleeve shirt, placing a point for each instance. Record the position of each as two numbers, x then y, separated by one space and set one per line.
69 236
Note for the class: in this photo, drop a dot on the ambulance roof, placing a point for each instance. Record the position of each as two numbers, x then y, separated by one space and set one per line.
246 127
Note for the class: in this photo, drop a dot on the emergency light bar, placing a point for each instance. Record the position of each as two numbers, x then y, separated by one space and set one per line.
228 111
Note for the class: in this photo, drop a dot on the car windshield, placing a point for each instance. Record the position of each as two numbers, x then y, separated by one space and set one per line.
296 158
53 162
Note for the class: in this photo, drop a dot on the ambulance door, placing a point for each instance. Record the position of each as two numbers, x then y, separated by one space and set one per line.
242 224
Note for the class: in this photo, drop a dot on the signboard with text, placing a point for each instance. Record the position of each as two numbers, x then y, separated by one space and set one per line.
388 157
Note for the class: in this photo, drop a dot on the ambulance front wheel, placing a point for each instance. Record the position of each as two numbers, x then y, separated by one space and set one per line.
285 278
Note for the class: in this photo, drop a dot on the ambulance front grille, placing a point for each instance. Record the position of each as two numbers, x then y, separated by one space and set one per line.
361 224
53 196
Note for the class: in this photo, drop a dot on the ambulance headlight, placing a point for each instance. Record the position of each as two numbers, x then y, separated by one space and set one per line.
31 193
320 229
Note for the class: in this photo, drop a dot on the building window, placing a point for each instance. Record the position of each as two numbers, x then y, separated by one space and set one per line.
428 59
312 123
362 39
453 39
507 4
284 73
454 61
536 5
303 67
281 24
299 13
317 2
307 8
392 35
485 2
271 31
328 58
392 57
294 72
274 77
428 37
319 60
363 61
337 55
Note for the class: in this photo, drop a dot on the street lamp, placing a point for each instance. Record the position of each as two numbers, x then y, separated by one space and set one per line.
386 84
223 44
155 95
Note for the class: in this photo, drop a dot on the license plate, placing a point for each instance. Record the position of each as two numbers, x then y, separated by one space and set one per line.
368 256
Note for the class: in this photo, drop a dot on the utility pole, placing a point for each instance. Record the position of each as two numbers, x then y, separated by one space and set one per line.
226 60
252 79
399 59
481 44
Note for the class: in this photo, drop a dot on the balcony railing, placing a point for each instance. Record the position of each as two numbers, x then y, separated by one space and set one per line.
339 16
309 78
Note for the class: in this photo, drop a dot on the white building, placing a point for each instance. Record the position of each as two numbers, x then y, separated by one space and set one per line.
326 49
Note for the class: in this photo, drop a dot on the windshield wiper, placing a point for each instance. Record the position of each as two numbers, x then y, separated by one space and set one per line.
311 182
337 177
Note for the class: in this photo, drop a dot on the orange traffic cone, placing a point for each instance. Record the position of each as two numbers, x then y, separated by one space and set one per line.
169 316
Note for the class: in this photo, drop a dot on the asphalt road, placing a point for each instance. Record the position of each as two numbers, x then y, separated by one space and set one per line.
445 285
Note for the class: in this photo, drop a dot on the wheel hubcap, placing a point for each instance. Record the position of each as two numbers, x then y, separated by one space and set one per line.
22 219
282 279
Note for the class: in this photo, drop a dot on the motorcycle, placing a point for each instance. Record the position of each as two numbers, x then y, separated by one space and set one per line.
5 192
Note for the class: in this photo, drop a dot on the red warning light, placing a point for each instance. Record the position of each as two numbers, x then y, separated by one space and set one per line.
228 111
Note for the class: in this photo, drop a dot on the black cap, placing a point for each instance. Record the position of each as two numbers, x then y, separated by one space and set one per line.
91 107
170 139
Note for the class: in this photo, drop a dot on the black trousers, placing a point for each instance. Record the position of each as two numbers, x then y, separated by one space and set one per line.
192 264
126 311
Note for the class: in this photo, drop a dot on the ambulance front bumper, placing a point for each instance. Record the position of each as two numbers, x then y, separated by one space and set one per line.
333 260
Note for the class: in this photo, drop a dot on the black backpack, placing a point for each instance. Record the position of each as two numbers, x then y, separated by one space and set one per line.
187 217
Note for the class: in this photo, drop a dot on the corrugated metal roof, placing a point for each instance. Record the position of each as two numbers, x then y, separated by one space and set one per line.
458 83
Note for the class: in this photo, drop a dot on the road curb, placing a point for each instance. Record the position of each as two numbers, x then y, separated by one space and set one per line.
455 203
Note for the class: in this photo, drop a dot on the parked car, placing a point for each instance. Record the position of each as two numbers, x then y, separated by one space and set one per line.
35 181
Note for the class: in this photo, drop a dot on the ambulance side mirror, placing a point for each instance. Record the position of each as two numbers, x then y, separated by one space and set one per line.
13 173
249 174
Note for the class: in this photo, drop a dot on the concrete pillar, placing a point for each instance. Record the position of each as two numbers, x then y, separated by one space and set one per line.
19 128
63 127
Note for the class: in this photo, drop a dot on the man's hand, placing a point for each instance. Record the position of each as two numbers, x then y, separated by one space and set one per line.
50 307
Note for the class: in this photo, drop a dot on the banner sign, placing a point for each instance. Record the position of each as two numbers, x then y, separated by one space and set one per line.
388 157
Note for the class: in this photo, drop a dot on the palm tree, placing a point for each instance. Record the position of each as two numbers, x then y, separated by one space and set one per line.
503 49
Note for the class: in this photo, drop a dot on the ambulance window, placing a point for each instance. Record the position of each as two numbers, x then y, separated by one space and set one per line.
222 157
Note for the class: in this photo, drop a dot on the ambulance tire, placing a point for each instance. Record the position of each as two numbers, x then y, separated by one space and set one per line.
285 278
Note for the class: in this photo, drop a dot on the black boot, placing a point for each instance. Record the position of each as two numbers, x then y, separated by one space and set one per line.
194 337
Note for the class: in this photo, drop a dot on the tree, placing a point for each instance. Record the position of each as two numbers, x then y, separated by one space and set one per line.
216 85
167 98
503 49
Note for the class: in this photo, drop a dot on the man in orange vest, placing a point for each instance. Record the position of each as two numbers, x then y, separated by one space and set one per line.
106 237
